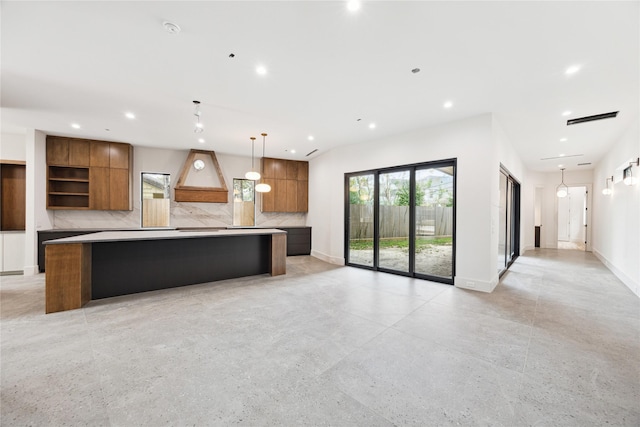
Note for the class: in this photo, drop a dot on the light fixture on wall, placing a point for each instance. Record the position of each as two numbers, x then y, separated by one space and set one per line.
627 175
562 190
252 175
607 191
199 128
263 187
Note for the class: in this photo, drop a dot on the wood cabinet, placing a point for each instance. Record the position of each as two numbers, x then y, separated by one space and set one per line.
87 174
289 185
12 195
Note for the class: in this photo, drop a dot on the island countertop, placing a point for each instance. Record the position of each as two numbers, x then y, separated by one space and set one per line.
120 236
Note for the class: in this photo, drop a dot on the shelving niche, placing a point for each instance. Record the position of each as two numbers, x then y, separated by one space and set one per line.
68 188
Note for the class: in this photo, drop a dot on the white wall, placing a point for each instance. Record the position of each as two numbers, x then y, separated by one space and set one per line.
506 156
469 140
616 217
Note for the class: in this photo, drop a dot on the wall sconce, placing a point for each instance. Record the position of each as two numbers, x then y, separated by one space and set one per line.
607 191
562 190
627 175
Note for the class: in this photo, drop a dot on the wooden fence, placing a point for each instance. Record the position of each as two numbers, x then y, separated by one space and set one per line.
430 221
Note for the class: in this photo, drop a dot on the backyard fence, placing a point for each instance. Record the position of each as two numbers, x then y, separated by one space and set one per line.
430 221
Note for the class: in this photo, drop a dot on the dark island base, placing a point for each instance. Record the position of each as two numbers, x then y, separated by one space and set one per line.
122 268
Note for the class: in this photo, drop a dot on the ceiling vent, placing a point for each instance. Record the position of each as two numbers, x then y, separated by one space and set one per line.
584 164
311 152
592 118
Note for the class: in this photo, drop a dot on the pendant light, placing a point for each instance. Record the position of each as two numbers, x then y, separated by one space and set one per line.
199 128
252 175
562 190
263 187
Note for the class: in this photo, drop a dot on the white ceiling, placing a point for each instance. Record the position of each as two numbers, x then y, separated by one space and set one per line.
90 62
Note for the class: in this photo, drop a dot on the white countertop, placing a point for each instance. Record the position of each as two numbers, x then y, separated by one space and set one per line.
118 236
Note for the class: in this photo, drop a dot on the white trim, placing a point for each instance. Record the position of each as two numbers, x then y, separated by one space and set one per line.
628 281
327 258
30 270
476 285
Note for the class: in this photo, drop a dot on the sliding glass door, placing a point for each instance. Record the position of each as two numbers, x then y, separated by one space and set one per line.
393 220
402 220
360 219
434 221
509 221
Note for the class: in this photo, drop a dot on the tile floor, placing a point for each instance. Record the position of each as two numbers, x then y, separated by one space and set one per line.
556 344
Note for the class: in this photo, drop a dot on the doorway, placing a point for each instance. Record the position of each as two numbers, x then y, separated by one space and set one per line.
401 220
572 219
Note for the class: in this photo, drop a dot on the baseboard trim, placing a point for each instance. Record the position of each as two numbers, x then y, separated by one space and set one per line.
476 285
31 270
327 258
628 281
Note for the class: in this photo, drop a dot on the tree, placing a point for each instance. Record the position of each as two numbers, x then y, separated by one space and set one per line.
403 196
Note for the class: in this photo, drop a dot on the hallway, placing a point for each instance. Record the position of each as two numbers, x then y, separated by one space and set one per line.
556 343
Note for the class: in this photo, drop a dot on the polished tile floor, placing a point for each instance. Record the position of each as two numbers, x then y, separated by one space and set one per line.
556 344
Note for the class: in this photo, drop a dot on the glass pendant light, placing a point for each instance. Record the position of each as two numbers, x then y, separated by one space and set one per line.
252 175
562 190
199 128
263 187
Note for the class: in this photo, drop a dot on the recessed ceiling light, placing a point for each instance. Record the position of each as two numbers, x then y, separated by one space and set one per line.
75 125
448 104
372 125
353 5
560 166
561 155
130 115
566 113
293 151
201 140
563 139
261 70
310 137
572 69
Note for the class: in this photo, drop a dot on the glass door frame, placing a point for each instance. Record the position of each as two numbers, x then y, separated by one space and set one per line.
412 168
512 222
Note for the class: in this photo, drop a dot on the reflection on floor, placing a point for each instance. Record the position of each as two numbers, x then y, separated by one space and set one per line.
556 343
576 246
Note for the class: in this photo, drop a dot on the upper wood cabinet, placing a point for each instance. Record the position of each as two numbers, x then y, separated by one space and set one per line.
289 185
100 154
119 155
88 174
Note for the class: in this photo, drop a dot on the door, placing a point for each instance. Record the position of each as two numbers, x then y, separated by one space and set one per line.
394 220
434 196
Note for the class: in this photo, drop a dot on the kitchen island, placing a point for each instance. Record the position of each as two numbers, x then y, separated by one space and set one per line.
107 264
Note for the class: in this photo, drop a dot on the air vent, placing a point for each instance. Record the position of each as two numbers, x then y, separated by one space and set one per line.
310 153
562 157
592 118
584 164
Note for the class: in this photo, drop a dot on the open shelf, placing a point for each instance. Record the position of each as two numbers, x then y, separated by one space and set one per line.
68 188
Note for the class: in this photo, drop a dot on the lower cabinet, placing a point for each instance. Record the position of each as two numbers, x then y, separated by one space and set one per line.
298 240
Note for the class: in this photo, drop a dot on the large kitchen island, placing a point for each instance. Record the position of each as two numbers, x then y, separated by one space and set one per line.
107 264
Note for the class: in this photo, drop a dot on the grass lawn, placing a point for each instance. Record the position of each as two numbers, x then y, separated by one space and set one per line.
402 242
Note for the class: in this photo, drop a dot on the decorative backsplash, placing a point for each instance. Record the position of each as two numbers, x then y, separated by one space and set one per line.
182 215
